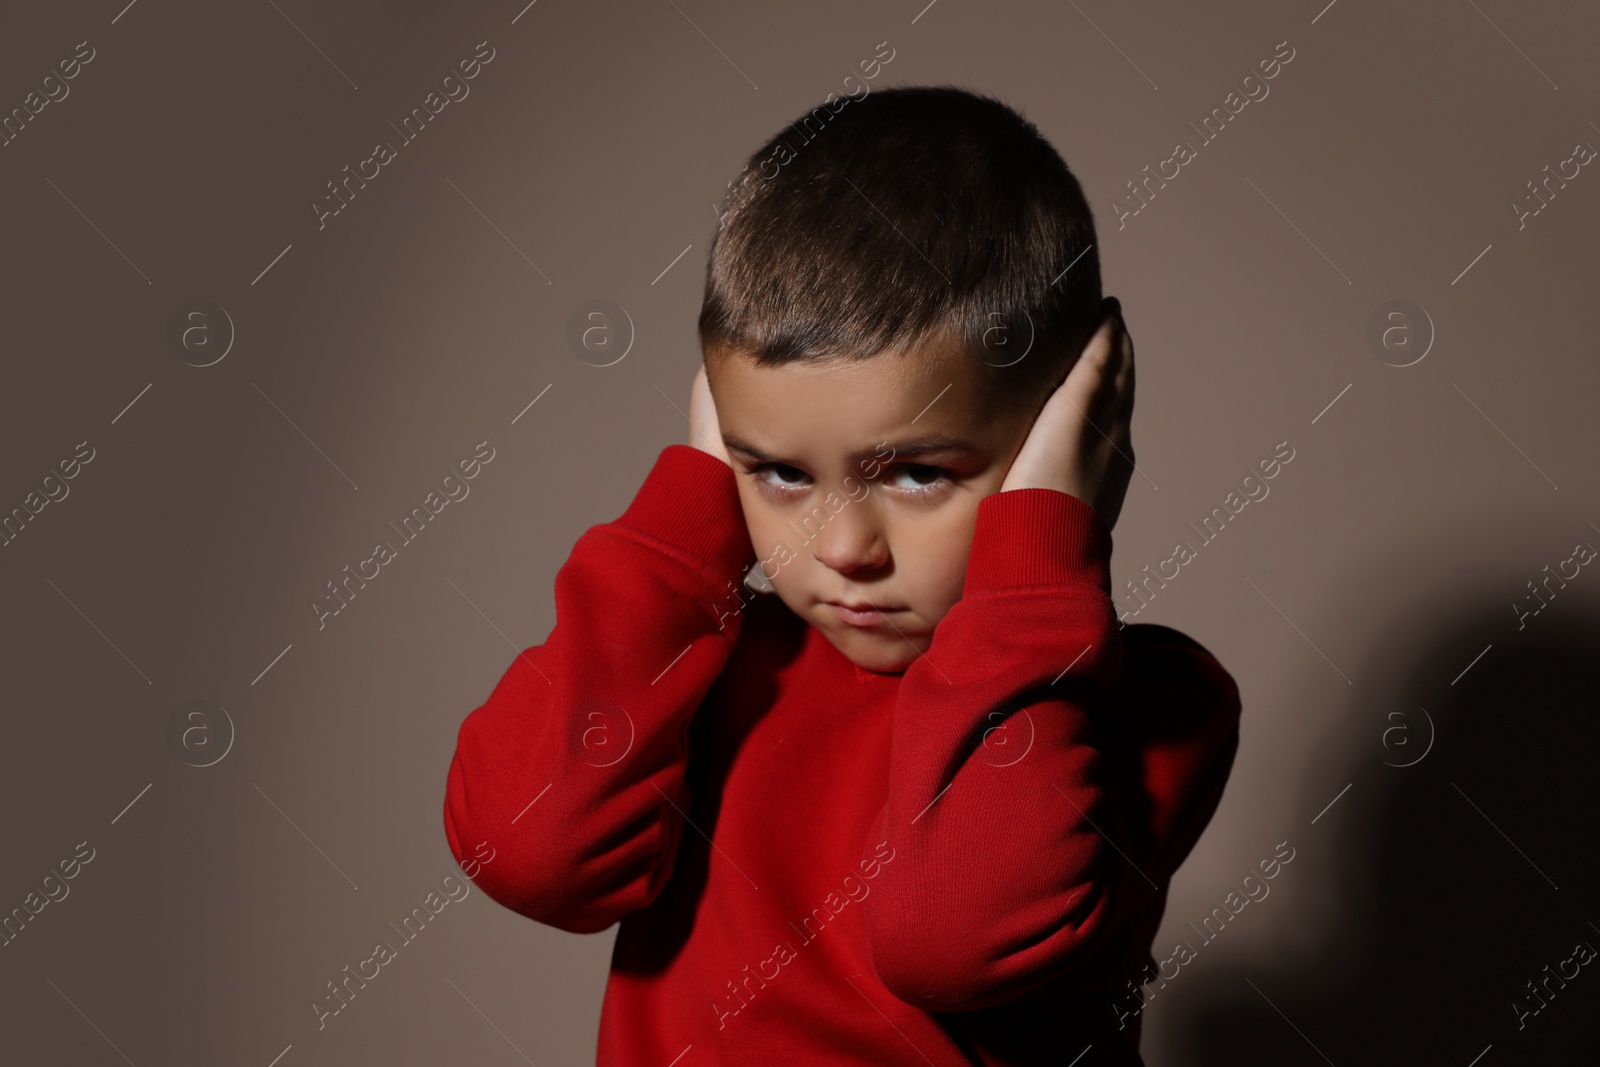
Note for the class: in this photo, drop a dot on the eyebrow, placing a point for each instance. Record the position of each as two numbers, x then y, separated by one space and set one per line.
919 446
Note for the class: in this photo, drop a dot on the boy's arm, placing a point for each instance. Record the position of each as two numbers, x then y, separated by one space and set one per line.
1020 845
573 769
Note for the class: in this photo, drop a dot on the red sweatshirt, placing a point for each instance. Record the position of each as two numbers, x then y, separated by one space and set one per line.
813 863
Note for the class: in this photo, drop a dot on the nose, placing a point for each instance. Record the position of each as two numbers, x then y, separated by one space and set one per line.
851 541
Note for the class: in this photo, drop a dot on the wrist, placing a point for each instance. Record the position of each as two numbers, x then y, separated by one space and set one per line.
1026 480
1038 538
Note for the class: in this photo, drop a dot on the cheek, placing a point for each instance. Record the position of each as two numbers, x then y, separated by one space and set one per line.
767 531
778 553
931 553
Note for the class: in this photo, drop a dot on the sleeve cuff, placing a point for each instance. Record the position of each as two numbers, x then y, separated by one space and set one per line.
1038 537
690 500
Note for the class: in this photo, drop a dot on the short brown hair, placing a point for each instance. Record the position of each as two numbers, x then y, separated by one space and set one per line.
912 211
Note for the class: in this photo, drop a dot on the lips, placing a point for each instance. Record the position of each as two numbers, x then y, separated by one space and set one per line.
861 613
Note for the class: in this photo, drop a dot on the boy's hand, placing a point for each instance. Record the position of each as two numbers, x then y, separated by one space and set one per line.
704 432
1081 441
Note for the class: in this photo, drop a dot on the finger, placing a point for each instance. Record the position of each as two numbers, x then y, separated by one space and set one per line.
1084 379
1126 374
1087 387
705 431
1118 371
1081 395
1109 400
1121 388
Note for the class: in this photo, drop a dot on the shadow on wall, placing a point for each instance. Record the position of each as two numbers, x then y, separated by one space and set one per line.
1454 934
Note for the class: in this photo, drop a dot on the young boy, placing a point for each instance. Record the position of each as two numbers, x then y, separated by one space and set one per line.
921 802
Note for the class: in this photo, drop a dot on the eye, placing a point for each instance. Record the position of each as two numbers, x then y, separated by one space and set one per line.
916 478
778 476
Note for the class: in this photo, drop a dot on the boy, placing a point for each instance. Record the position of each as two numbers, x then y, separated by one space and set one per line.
922 802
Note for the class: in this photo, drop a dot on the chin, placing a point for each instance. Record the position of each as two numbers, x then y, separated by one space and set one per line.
874 653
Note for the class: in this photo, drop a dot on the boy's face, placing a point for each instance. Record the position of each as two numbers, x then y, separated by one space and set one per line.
860 484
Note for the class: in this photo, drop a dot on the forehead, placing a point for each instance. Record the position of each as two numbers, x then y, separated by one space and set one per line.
814 408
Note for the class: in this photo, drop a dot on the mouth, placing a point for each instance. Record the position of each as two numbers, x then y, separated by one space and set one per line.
861 613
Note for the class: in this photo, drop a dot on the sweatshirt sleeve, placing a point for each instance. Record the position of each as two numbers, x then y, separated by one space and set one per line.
1030 832
573 769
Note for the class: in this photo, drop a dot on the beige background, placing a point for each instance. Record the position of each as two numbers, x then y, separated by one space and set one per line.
376 352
